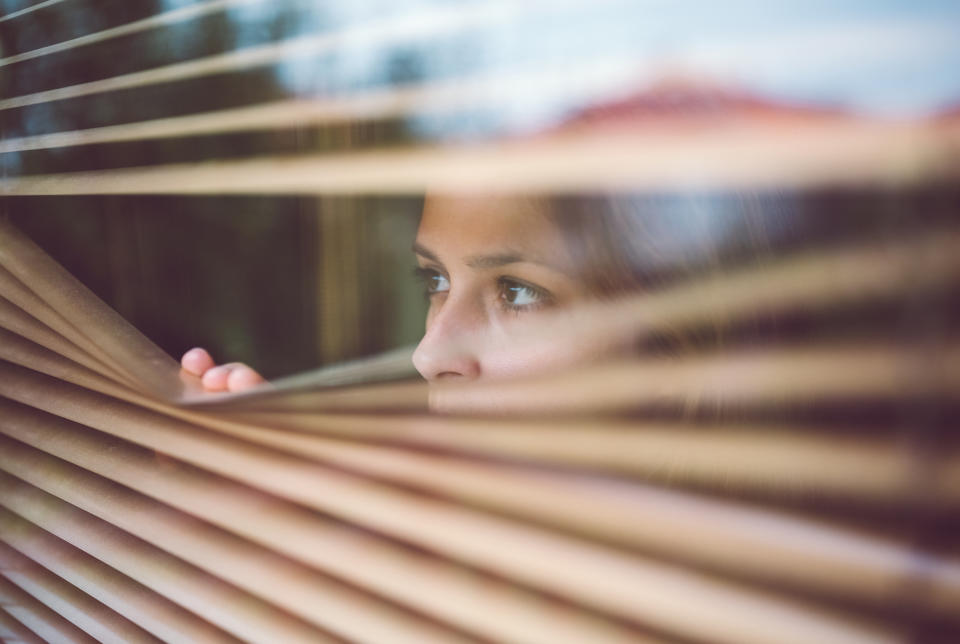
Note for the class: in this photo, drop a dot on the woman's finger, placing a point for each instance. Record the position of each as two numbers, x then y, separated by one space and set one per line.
232 376
215 378
197 361
242 377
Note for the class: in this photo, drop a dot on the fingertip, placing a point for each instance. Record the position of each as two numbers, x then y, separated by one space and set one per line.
197 361
242 378
215 378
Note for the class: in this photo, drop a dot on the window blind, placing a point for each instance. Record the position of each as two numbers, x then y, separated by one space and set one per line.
803 486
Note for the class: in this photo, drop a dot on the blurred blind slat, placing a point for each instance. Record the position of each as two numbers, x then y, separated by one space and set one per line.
221 604
91 616
726 160
436 21
39 618
408 100
26 10
376 507
14 631
167 18
153 612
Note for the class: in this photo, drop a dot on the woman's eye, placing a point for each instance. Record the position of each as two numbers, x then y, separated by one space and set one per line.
434 281
519 295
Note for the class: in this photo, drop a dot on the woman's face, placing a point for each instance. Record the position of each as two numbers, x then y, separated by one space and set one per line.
496 270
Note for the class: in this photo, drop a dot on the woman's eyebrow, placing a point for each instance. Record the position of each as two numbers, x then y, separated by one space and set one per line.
476 261
493 261
422 250
486 261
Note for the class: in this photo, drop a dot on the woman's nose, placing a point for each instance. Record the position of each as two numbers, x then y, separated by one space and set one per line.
448 348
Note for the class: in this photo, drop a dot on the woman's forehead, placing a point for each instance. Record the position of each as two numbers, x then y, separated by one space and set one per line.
455 225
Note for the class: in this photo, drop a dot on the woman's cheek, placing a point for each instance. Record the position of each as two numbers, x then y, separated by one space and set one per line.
542 353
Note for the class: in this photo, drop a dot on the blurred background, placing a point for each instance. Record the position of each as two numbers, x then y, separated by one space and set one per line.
283 283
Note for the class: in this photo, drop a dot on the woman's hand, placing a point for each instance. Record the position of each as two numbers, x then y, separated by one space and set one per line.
233 376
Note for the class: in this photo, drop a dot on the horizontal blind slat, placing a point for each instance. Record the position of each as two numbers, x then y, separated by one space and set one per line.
431 586
14 319
166 18
775 460
594 576
256 568
787 460
88 614
764 380
219 603
14 291
38 617
437 98
144 607
16 631
69 307
640 516
393 30
547 498
861 154
30 9
530 495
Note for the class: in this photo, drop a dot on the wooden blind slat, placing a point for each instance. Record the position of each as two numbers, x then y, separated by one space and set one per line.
91 616
170 17
860 154
39 618
146 608
424 583
407 28
259 569
14 291
63 303
624 586
770 378
26 10
770 459
219 603
25 325
644 517
16 631
436 98
790 459
530 495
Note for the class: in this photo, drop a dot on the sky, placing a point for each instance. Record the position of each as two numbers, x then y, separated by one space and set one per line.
876 57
